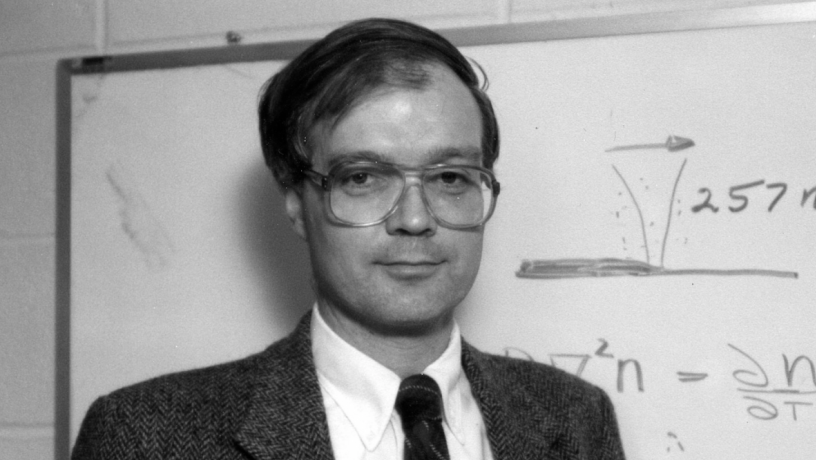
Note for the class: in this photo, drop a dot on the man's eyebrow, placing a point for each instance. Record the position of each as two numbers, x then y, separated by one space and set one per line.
361 155
467 153
435 156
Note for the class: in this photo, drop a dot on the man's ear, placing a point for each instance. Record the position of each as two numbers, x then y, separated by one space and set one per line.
294 209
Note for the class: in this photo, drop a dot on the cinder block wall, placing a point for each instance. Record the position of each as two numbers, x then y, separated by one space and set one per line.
34 34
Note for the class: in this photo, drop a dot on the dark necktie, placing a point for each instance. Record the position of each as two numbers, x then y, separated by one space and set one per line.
419 403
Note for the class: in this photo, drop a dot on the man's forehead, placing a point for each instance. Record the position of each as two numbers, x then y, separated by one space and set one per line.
454 107
431 75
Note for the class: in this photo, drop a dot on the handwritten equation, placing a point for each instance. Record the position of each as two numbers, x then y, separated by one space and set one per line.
766 400
791 396
739 196
576 363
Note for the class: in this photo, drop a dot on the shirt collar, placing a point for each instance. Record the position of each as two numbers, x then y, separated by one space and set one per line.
365 390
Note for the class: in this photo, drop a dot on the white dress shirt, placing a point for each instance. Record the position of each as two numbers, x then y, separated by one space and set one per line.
359 394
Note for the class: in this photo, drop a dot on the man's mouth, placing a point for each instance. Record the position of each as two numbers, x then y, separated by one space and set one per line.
410 269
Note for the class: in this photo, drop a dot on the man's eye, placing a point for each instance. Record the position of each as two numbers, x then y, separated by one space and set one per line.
360 177
361 181
452 178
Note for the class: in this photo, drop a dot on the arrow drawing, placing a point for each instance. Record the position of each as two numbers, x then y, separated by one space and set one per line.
672 144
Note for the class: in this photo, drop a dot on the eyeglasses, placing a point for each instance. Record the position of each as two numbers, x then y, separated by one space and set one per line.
362 193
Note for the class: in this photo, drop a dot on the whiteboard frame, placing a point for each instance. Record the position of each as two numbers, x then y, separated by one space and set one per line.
785 13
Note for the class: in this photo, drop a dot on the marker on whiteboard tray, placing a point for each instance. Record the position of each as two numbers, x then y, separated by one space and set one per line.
578 268
672 144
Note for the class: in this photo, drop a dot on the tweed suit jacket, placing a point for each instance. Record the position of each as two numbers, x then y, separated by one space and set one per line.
269 406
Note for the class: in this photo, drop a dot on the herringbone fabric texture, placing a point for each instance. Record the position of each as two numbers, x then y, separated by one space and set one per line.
269 407
419 404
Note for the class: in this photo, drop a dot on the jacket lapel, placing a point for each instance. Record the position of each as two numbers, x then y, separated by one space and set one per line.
512 435
286 418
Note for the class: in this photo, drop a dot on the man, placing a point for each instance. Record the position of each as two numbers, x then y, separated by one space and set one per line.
383 143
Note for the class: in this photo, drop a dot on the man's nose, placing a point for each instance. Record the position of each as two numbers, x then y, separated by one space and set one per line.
411 216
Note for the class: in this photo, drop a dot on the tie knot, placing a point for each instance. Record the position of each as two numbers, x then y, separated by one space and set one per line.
418 399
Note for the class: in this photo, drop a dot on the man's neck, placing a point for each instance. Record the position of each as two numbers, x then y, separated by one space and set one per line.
404 354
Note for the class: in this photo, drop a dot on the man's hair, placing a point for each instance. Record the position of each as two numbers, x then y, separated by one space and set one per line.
332 75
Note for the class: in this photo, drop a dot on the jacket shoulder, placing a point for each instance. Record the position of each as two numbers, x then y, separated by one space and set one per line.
200 407
222 385
535 377
572 417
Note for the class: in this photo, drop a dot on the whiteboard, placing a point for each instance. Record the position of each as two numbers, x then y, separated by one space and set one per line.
654 233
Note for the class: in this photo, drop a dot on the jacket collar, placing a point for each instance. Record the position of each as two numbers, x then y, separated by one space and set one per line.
285 418
513 436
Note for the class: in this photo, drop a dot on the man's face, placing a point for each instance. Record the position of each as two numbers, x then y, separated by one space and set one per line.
405 275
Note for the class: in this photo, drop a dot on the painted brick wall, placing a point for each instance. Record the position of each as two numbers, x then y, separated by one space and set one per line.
34 34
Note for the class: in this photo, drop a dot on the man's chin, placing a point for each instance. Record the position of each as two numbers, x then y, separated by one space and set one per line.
411 326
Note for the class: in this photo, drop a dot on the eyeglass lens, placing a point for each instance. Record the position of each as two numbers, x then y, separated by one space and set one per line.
364 193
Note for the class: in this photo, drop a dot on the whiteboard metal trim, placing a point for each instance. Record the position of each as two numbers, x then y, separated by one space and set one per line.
632 24
473 36
62 291
606 26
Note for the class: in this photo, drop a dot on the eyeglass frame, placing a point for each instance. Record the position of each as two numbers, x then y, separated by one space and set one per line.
325 181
